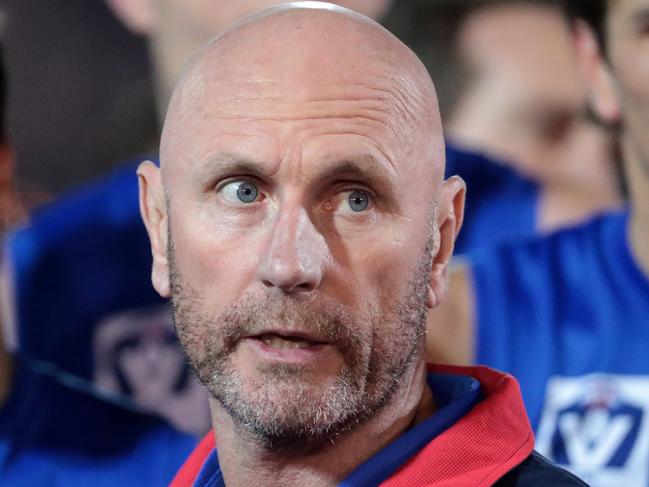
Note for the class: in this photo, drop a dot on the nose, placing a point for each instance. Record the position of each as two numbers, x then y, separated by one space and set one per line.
295 256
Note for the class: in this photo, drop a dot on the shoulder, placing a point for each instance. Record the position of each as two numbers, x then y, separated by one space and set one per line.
535 471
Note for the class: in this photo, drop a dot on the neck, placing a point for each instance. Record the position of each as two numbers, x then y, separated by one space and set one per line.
246 461
637 176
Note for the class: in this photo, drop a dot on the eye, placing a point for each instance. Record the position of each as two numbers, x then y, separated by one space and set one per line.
358 200
240 192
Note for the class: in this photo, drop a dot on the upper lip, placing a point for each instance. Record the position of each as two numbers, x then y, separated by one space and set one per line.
295 334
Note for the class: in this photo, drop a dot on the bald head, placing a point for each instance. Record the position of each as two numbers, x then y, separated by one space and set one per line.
302 157
307 60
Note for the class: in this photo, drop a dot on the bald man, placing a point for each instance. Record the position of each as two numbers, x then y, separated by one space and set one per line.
301 227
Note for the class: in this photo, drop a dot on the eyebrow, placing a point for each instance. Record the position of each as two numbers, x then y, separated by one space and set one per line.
364 167
228 163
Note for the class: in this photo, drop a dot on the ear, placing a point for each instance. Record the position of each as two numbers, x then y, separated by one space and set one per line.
596 73
153 209
448 221
137 15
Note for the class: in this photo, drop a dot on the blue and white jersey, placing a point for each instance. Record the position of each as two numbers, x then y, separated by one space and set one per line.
568 316
501 205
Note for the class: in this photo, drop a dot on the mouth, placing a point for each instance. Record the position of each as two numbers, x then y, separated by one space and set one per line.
287 341
288 346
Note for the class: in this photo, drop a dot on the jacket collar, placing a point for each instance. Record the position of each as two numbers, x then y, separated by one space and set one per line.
490 440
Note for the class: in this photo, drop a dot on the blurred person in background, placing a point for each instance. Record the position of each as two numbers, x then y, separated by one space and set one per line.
53 433
515 115
84 332
567 313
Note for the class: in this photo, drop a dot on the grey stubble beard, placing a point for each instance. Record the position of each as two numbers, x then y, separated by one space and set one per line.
280 408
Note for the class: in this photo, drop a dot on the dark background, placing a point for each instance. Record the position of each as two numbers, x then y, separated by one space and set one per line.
80 98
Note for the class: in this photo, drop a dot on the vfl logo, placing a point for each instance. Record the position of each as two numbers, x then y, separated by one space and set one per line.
596 426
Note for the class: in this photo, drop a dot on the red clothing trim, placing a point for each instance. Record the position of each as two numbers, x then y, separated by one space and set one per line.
492 439
192 466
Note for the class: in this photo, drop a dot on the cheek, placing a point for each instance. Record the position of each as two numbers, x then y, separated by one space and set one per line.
218 262
382 270
631 67
633 91
632 70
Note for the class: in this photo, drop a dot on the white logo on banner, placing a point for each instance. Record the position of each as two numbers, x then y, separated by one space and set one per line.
595 425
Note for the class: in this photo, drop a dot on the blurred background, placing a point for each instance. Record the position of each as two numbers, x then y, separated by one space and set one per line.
80 97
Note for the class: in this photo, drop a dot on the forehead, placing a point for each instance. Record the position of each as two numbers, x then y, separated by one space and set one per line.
294 88
268 118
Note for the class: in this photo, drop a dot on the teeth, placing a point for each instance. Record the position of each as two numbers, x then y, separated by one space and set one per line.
280 343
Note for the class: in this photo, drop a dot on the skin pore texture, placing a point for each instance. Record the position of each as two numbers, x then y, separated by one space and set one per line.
619 89
300 225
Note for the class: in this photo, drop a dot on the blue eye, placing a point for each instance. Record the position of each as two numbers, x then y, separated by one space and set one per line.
358 200
240 192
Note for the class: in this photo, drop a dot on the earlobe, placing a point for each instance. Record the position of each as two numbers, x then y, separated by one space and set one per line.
153 209
596 74
431 300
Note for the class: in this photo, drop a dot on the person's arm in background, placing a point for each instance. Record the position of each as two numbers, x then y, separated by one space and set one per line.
451 326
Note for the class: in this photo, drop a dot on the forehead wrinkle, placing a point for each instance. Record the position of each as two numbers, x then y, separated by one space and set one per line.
386 102
408 96
232 164
363 165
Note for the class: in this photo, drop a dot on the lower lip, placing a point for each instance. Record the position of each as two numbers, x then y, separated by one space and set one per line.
287 355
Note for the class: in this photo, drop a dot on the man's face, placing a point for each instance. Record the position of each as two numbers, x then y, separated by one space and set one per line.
628 53
299 199
526 104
